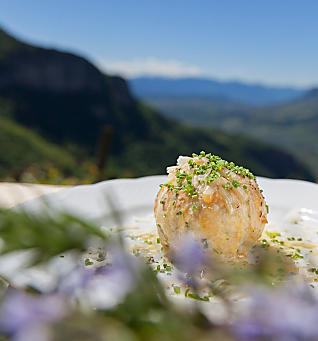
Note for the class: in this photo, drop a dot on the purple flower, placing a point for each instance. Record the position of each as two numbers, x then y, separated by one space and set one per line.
189 256
105 286
23 314
36 332
111 284
288 313
190 259
76 280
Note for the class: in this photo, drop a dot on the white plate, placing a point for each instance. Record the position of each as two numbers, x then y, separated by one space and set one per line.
135 197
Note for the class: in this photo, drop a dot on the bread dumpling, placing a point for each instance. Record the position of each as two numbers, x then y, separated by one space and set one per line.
216 201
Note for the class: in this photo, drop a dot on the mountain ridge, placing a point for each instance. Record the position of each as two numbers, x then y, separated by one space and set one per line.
236 91
67 100
292 125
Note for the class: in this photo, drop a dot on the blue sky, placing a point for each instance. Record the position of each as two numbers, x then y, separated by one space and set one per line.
273 42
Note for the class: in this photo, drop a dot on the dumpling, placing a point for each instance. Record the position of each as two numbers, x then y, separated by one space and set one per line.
213 199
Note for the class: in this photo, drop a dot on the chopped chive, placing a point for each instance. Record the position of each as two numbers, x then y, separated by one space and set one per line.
168 267
217 252
273 235
176 289
88 262
211 168
235 183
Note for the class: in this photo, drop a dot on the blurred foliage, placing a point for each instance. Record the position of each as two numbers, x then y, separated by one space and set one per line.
146 313
20 231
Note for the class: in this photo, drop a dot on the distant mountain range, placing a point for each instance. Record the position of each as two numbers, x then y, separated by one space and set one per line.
63 102
292 125
237 92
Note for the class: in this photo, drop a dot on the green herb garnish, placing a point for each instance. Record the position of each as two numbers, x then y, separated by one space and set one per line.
273 235
217 252
235 183
88 262
211 168
176 289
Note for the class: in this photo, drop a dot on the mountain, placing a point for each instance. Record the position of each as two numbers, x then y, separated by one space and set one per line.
67 101
197 111
231 91
22 148
64 97
291 126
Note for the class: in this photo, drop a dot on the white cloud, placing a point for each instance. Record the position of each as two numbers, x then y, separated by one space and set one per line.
175 68
149 67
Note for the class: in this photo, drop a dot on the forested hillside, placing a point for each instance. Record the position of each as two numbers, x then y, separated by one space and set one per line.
67 101
291 126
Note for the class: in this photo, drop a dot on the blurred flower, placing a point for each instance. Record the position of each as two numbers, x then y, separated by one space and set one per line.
75 281
288 313
189 256
112 283
103 286
26 314
36 332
